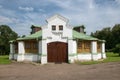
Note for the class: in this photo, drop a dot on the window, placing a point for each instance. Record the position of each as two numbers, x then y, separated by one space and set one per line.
98 46
60 27
87 45
35 45
53 27
27 45
79 44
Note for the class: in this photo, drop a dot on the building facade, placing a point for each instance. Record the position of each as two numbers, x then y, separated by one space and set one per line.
57 42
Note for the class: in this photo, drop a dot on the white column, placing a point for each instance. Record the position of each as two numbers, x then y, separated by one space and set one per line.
39 50
70 51
103 50
74 47
21 51
12 51
94 47
44 52
94 50
103 47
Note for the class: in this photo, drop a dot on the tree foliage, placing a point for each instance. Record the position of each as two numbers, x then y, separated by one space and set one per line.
111 35
6 34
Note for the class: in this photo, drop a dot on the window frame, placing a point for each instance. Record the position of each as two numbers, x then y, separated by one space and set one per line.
98 45
87 45
79 44
35 45
60 27
27 45
53 27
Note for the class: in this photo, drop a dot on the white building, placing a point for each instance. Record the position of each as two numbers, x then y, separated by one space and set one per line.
57 42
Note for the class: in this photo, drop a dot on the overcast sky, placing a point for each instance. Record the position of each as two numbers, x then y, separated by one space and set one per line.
94 14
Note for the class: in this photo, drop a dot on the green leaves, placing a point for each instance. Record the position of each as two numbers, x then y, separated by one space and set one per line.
111 35
6 34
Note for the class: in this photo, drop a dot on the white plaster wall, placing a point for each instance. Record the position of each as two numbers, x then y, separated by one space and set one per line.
74 48
70 47
103 47
44 47
12 51
57 35
10 56
20 57
21 49
12 48
55 40
99 56
43 59
30 57
95 57
94 46
15 56
40 47
44 52
88 56
84 56
104 55
71 59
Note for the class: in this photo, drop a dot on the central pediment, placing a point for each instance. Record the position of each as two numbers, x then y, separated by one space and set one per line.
57 16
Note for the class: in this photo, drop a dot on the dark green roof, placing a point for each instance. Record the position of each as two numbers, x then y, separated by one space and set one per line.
37 35
82 36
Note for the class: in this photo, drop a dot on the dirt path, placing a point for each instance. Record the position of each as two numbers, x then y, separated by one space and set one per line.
26 71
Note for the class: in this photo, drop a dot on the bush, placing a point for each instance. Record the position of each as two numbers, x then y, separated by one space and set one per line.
117 49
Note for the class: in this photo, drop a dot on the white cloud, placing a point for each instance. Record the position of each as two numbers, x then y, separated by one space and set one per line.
4 19
26 8
41 10
89 13
79 12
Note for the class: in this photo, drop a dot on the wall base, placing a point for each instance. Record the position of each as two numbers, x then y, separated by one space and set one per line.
87 57
71 58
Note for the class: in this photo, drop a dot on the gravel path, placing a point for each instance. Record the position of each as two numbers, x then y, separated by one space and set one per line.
28 71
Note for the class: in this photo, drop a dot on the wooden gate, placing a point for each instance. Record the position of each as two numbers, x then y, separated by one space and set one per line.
57 52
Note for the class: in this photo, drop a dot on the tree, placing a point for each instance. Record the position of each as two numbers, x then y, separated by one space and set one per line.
116 35
6 34
112 37
104 34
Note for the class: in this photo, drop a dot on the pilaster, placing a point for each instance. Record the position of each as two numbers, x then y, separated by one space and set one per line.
21 51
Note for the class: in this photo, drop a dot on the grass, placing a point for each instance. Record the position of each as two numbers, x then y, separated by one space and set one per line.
4 59
111 57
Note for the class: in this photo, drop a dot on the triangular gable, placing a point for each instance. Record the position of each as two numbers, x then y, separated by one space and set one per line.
57 16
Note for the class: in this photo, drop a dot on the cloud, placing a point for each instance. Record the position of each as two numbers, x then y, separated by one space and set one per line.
41 10
94 14
26 8
4 19
90 13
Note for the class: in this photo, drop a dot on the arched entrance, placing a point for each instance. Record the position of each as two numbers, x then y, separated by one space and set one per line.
57 52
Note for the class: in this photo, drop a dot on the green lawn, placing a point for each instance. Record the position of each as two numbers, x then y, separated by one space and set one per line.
111 57
4 59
